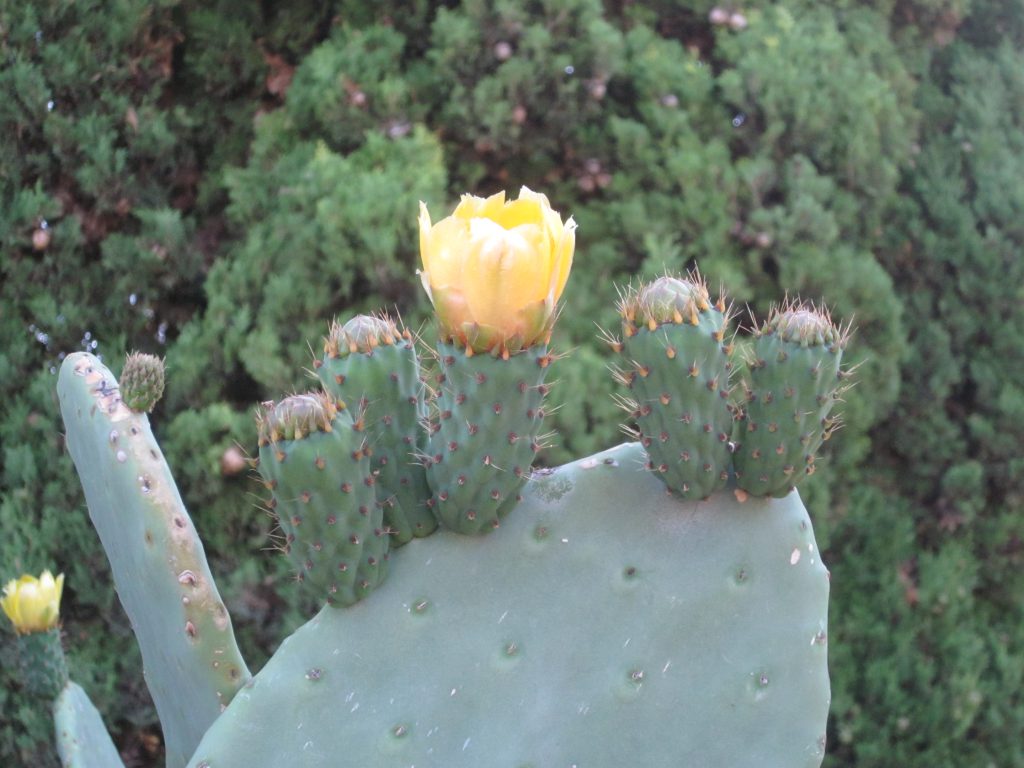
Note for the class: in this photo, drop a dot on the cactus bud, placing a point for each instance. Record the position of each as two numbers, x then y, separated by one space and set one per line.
804 324
665 300
142 381
363 333
297 416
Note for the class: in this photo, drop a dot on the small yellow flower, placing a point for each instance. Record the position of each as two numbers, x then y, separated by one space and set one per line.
33 605
495 269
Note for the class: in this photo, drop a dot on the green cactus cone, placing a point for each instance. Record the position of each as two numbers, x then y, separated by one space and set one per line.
609 624
795 379
314 459
142 382
482 446
369 361
193 667
677 366
82 739
41 664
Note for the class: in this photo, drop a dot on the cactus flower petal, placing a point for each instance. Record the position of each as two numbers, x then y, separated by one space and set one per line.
33 605
492 264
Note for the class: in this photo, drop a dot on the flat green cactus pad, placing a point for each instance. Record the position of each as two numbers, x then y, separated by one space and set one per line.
604 624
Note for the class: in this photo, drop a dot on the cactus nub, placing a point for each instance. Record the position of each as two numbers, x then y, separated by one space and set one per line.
314 459
142 381
676 363
370 362
794 380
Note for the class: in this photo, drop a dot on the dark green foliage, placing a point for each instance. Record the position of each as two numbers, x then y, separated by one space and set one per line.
952 645
215 181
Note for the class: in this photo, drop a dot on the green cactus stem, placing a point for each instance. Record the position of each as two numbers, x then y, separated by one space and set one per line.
370 362
82 739
606 624
315 461
676 362
482 445
795 379
142 382
42 667
192 664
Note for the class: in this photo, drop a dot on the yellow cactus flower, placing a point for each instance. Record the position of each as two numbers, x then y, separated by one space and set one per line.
33 605
495 269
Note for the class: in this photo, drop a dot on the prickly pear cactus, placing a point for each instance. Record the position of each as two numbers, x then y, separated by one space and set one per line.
606 623
659 604
82 739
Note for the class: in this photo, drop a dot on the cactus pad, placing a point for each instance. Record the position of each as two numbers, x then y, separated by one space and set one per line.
794 380
314 459
676 364
606 623
193 666
82 739
368 361
489 414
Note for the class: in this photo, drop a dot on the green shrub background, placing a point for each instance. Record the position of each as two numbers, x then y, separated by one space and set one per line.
215 181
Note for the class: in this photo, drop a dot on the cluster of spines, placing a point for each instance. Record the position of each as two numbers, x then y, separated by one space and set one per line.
370 361
485 434
314 459
794 380
678 367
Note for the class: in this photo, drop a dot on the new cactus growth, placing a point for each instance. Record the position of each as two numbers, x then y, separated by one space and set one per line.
676 361
795 378
142 381
315 461
368 361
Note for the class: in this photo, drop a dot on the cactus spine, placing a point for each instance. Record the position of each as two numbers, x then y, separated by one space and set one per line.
370 362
